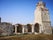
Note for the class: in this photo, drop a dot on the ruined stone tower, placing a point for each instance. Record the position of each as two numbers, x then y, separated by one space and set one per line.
42 18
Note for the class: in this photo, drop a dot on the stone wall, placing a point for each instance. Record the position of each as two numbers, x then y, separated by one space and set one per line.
6 28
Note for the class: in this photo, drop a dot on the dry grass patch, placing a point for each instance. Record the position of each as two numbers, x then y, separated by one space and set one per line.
28 37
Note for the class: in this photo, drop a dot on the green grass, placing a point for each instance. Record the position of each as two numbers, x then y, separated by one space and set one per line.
28 37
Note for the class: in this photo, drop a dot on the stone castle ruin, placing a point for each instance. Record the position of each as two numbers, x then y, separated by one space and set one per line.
42 23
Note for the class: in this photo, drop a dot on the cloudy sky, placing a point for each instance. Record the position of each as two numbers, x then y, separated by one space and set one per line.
22 11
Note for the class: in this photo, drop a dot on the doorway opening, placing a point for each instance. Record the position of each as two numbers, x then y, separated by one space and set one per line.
36 27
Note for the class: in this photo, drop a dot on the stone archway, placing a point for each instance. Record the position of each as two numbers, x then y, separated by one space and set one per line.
36 27
29 26
19 28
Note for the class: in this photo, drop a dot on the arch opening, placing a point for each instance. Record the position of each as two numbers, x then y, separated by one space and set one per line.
19 28
36 27
29 26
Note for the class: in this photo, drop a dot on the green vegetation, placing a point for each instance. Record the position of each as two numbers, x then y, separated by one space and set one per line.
28 37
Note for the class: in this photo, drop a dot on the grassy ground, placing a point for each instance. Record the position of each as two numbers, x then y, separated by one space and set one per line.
28 37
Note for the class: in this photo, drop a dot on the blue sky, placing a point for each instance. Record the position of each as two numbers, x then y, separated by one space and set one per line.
21 11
